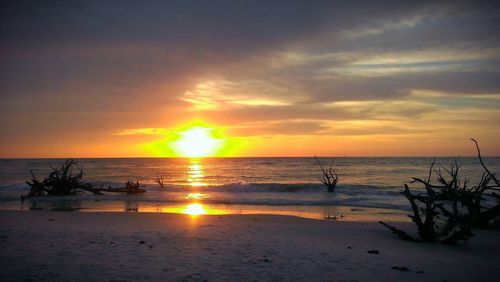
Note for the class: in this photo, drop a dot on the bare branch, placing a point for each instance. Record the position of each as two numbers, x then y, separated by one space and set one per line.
401 234
159 180
330 177
492 175
63 180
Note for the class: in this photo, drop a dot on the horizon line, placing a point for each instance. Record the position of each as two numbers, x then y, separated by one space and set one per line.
246 157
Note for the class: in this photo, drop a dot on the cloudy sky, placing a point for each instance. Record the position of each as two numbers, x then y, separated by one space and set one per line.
278 78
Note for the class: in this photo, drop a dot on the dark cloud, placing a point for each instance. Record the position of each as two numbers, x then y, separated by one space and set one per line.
105 64
400 85
209 24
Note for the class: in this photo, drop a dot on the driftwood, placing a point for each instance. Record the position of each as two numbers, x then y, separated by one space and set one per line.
448 211
67 179
433 223
63 180
159 180
472 198
330 177
130 188
492 175
401 234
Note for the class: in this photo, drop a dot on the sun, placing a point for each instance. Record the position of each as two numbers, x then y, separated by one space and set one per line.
197 142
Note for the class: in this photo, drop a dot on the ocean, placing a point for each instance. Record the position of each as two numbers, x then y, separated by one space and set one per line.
369 187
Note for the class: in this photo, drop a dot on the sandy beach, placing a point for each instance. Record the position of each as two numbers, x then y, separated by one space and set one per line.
77 246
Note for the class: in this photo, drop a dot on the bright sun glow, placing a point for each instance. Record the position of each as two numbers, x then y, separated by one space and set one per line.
197 142
194 209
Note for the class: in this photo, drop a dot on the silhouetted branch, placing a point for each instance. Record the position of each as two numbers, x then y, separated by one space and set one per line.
130 188
492 175
401 234
67 179
159 180
330 177
61 181
447 212
426 216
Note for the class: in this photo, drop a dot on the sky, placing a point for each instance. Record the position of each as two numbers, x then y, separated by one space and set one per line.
266 78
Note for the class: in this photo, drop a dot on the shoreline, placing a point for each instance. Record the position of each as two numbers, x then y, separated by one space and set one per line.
321 212
82 246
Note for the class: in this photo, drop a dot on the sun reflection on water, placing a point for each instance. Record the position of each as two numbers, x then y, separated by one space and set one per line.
195 174
196 196
194 209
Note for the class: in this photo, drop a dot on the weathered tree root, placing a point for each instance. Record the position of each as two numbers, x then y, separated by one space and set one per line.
447 212
63 181
330 177
401 234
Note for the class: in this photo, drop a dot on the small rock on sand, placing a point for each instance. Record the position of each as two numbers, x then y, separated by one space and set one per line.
400 268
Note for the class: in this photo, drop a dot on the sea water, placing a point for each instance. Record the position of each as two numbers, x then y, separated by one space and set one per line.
369 188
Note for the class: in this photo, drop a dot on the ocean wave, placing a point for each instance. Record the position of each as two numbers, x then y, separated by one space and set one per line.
229 187
364 192
277 187
271 194
14 187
